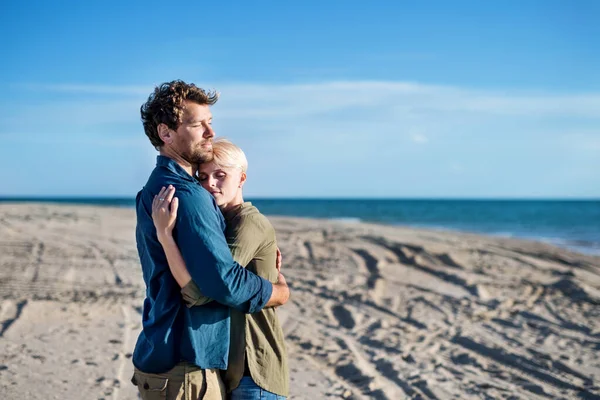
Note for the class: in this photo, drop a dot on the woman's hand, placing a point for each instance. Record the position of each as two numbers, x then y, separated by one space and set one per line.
164 212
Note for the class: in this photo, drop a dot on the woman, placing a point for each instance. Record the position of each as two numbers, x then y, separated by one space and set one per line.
257 357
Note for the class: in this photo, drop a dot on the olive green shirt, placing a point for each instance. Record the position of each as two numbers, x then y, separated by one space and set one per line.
256 338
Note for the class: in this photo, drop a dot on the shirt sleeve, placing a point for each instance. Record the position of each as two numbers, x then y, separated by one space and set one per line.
192 296
244 244
199 235
247 240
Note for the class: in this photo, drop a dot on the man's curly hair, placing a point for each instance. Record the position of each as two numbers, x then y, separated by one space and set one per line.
166 104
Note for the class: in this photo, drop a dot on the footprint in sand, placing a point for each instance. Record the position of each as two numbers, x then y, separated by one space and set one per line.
343 316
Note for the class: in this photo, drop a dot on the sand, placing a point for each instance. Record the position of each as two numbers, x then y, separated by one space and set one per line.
376 312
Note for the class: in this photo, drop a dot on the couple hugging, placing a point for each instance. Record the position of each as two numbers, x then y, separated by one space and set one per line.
210 263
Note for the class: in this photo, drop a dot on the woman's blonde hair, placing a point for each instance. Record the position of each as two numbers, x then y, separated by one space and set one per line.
228 155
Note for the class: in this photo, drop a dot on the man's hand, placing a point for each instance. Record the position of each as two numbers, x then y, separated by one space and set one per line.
281 292
281 280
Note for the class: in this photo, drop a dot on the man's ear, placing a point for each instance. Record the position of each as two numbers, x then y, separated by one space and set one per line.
165 134
242 179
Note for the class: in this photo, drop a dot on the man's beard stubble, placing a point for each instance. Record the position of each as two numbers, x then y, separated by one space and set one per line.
199 155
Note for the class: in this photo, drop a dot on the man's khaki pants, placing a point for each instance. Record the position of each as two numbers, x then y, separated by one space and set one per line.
184 382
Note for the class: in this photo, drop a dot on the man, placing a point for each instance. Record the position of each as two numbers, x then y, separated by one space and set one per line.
180 349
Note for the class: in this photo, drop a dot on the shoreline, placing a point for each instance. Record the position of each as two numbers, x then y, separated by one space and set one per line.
585 247
591 249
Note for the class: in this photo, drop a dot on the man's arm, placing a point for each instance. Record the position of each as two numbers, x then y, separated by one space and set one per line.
192 296
164 213
280 294
199 236
243 249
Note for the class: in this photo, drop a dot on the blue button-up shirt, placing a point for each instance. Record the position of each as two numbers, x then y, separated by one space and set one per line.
171 331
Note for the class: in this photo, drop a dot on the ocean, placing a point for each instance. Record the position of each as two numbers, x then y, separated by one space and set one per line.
569 223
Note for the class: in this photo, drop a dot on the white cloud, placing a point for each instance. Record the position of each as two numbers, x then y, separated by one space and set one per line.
275 100
419 138
337 138
457 168
586 141
407 98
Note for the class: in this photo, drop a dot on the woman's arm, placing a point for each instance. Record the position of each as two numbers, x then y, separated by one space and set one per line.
175 260
164 215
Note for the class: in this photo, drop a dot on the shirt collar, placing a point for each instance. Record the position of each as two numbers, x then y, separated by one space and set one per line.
171 165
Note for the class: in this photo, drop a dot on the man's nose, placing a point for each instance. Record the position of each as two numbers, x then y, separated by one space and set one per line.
209 132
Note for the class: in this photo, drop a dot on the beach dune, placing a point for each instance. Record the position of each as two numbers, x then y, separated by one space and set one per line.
376 312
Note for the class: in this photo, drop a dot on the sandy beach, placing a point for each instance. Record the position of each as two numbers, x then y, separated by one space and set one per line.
376 312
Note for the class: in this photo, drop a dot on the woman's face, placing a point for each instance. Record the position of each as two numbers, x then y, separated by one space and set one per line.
225 184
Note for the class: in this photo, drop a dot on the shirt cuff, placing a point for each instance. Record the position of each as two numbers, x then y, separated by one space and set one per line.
259 302
192 296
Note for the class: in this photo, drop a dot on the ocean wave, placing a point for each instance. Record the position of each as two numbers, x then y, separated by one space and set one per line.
347 220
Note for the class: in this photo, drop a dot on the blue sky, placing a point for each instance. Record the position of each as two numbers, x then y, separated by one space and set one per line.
327 98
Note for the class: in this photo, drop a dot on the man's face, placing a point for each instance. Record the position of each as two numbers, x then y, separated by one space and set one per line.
193 138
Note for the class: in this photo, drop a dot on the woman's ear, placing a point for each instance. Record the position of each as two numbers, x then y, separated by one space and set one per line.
242 179
164 133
